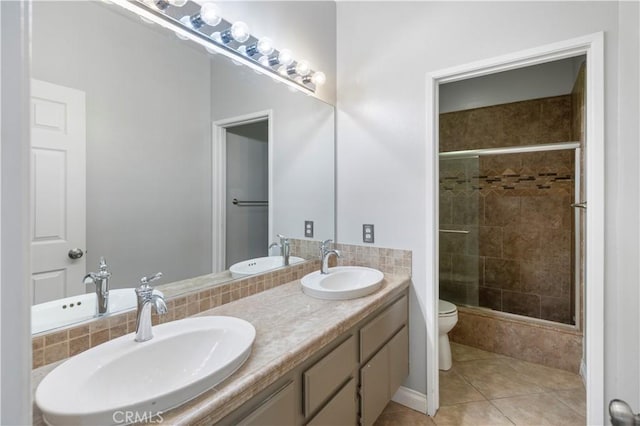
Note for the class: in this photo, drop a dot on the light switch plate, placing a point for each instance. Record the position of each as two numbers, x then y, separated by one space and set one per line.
308 228
367 233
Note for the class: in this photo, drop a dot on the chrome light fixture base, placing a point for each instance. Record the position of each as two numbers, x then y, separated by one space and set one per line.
185 20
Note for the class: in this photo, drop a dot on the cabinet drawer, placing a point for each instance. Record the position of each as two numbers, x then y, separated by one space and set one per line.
385 325
277 410
326 376
341 410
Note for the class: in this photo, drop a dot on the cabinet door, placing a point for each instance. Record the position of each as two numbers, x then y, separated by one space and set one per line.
398 360
277 410
341 410
326 376
374 386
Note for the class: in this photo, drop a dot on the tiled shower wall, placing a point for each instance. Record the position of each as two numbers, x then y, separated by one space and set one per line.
517 254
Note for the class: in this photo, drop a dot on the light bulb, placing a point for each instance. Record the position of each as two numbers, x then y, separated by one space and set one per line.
265 46
264 60
209 14
282 70
243 49
216 37
240 32
285 57
186 21
177 3
303 68
318 78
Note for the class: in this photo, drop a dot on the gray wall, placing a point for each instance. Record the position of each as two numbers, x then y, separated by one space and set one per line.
15 288
303 146
538 81
247 179
381 137
148 137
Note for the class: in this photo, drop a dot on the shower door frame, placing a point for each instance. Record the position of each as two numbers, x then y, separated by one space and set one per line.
577 226
592 46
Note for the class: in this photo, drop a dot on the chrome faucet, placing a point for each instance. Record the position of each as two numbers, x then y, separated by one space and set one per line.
325 253
146 299
285 248
101 280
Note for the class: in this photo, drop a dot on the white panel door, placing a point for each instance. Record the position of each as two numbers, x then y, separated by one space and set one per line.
58 156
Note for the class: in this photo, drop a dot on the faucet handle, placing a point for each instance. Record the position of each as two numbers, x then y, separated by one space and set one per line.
146 280
324 244
103 269
282 238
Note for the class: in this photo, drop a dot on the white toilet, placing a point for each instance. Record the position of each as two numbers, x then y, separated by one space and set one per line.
447 319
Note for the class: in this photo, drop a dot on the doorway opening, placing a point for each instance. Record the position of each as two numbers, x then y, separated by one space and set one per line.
247 190
242 184
591 47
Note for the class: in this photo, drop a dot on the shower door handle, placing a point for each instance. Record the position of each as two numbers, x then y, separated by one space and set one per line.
579 205
454 231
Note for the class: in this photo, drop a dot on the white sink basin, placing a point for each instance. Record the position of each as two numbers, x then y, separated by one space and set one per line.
184 359
260 264
70 310
342 282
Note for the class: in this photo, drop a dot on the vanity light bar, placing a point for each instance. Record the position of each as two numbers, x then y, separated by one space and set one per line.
223 39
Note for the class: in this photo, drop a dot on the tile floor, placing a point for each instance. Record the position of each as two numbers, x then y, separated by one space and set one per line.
483 388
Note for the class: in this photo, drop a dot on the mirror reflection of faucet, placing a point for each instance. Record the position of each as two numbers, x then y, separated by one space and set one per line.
285 248
101 281
325 253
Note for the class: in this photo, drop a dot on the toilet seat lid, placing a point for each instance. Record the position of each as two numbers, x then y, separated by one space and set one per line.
445 307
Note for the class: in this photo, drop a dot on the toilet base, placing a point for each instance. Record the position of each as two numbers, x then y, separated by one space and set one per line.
444 352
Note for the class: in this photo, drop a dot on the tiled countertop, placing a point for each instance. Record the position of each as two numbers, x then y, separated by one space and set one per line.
290 327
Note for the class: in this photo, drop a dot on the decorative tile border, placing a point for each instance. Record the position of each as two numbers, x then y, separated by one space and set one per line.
60 344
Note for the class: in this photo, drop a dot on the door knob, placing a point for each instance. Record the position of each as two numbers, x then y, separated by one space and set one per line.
621 414
75 253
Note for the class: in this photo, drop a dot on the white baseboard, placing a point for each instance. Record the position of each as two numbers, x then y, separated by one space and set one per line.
583 372
412 399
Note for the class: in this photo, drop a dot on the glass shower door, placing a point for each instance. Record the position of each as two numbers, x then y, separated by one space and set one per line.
460 266
508 229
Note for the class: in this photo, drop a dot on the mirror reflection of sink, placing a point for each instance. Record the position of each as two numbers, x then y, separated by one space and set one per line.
259 265
342 283
184 359
70 310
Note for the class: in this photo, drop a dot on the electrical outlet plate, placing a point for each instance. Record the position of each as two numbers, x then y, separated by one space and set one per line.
367 233
308 228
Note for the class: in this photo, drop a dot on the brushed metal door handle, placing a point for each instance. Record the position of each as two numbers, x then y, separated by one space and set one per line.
75 253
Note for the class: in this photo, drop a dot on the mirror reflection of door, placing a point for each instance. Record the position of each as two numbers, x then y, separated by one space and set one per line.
58 231
247 182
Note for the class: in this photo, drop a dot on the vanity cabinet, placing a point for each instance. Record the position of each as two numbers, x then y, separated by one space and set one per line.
381 377
277 409
348 382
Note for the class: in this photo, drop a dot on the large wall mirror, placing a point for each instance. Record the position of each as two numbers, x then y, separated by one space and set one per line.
142 141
